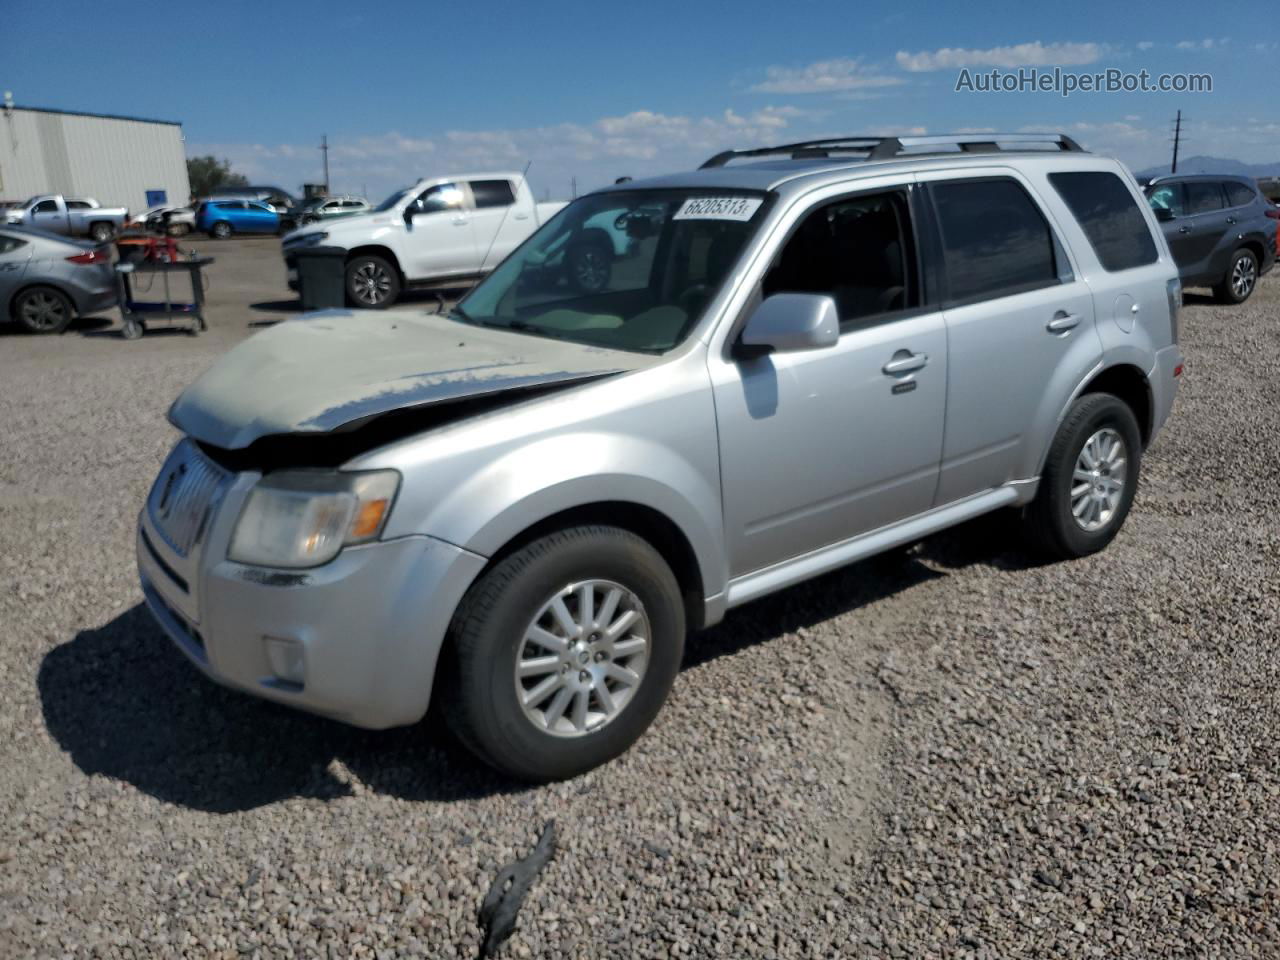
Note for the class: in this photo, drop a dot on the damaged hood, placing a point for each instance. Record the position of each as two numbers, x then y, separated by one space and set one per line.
332 370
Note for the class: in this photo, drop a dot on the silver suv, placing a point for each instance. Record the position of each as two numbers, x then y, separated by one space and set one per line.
800 356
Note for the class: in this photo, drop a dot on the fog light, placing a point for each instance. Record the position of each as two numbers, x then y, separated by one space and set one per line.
287 660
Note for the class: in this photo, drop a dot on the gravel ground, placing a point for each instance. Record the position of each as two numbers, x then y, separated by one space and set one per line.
952 753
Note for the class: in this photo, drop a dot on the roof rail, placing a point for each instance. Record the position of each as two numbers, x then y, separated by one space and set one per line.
886 148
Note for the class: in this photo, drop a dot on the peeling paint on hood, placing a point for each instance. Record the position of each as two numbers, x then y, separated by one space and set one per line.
325 371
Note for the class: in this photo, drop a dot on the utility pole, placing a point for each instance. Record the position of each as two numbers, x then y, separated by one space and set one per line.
324 149
1177 136
573 187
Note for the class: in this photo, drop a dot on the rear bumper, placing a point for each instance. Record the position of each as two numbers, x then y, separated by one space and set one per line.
369 625
96 299
1164 385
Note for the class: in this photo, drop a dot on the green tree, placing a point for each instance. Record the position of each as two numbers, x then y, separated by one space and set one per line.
208 173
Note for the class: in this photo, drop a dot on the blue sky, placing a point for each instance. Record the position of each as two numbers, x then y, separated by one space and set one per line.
596 90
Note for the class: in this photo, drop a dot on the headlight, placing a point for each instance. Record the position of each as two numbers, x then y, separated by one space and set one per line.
303 518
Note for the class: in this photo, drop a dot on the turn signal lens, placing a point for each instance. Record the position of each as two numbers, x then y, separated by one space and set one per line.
368 519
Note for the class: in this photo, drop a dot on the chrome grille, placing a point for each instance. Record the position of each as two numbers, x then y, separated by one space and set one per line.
185 495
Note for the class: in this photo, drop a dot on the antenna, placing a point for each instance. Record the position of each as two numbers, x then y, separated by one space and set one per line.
1177 137
523 179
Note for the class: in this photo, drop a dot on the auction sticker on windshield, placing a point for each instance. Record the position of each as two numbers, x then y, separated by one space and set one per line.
718 208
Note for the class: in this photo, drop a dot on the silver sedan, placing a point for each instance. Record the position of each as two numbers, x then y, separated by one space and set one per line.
46 281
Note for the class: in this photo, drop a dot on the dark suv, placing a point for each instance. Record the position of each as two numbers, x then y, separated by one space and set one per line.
1219 230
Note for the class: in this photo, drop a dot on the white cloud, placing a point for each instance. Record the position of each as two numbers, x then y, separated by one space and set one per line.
824 76
640 143
1035 54
1145 45
1208 43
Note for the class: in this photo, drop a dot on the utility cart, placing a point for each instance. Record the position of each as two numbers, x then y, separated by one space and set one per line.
136 314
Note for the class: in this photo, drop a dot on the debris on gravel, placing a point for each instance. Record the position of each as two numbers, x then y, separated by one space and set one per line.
952 752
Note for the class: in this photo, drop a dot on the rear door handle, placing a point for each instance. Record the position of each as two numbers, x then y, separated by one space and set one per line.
905 364
1062 322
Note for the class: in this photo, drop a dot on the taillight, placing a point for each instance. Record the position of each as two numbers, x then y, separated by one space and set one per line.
92 256
1174 290
1273 213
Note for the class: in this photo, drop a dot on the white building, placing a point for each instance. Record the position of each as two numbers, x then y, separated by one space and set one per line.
116 160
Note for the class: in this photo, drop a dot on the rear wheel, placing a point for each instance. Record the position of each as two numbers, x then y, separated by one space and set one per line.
1241 279
101 232
43 310
177 230
562 654
1089 478
220 230
372 283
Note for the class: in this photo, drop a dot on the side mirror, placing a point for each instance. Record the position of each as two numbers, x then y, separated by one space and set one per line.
787 322
1164 214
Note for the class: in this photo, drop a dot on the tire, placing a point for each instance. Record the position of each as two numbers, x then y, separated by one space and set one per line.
43 310
177 230
372 283
1092 427
221 230
589 266
489 636
101 232
1241 278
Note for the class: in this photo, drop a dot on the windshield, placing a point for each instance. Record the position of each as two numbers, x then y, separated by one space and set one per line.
631 270
392 200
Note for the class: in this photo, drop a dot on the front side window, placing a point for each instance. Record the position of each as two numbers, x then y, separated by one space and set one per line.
443 196
46 206
995 240
1111 219
859 251
1239 194
1203 196
492 193
1168 196
631 270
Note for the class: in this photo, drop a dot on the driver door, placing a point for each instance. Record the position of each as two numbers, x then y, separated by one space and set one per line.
441 241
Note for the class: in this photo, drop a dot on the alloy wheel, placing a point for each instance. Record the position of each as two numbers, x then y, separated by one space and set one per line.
590 270
1098 480
43 311
582 658
371 283
1244 274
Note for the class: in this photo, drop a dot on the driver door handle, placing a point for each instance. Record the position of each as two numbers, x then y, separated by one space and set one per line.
907 364
1184 229
1062 322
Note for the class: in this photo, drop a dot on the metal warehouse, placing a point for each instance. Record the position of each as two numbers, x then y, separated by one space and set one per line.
119 161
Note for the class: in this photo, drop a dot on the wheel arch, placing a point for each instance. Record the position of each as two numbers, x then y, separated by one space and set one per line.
1128 383
32 285
377 250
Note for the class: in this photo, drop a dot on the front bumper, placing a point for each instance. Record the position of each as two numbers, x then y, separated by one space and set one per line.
370 624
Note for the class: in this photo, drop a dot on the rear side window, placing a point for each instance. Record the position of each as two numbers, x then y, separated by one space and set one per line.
78 205
1203 196
1239 194
995 240
492 193
1111 220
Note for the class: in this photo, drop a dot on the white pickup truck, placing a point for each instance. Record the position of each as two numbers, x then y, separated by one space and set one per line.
73 216
441 232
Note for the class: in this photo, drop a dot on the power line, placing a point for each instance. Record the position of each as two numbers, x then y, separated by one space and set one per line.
1177 138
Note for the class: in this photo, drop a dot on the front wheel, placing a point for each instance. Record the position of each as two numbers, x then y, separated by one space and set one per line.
562 654
43 310
1242 276
372 283
220 230
1089 478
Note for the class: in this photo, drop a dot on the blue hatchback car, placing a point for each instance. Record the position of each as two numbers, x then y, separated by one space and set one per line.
222 218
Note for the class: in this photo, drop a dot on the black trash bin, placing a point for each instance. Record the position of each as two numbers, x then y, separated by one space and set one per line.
322 277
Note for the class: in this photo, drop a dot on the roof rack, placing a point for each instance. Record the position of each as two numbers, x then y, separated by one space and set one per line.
886 148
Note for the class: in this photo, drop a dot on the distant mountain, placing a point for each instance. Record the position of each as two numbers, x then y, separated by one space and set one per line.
1215 165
